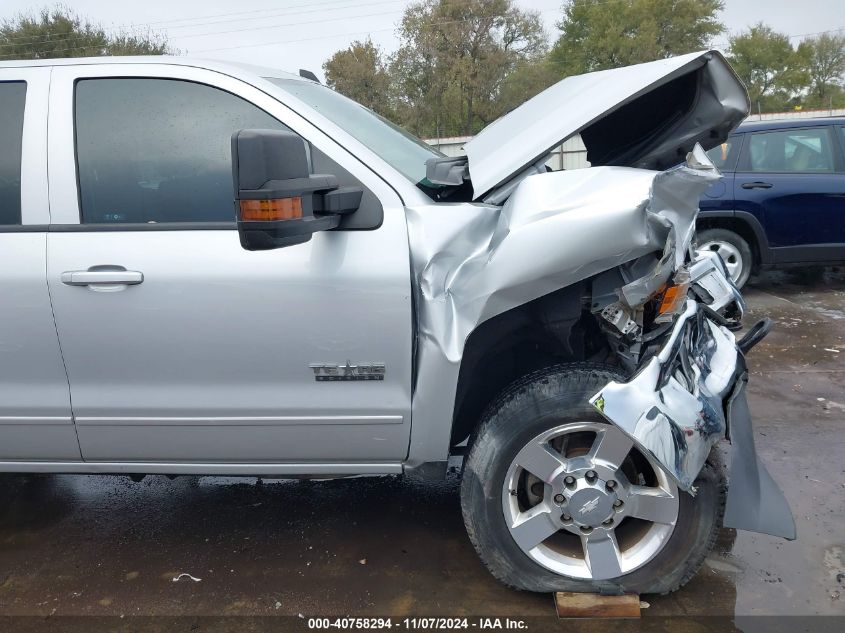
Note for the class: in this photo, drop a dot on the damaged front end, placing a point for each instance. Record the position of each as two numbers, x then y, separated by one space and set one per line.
671 326
667 318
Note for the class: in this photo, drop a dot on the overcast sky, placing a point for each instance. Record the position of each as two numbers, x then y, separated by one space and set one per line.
293 34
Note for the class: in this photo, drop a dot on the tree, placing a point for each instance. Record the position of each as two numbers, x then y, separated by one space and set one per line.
527 79
824 60
454 59
771 69
59 32
601 34
360 73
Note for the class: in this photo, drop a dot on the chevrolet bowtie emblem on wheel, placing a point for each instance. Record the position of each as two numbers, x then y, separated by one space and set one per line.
589 506
333 371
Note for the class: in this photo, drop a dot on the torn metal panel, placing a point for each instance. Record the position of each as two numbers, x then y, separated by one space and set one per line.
673 406
709 273
472 262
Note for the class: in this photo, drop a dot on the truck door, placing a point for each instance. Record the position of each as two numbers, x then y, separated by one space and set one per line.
181 346
35 415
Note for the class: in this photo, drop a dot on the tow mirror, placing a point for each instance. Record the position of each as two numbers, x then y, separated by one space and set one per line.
278 202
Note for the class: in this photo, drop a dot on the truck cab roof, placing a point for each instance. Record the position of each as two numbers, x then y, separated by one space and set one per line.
226 67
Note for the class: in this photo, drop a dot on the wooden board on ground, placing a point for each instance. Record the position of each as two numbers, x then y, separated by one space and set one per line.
593 605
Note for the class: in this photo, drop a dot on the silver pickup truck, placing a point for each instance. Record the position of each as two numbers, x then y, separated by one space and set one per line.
215 269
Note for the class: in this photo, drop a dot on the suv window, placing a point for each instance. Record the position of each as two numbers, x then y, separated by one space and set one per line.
724 156
791 151
12 102
158 150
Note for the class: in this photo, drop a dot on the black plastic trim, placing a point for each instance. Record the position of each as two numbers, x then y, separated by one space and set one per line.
129 226
756 334
23 228
809 254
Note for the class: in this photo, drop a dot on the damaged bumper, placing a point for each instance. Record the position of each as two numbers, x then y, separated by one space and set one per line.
673 406
691 394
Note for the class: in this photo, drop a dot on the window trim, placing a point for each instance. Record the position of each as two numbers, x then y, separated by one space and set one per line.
744 165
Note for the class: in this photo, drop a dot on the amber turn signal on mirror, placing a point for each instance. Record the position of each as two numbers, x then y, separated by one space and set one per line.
271 210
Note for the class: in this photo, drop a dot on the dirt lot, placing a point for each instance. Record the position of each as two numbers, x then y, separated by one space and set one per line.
76 545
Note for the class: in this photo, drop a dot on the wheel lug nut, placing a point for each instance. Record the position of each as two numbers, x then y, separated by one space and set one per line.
591 475
537 488
618 503
608 523
586 529
611 484
569 480
559 499
565 518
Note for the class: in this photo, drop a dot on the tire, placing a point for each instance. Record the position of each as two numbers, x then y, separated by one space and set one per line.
553 398
735 252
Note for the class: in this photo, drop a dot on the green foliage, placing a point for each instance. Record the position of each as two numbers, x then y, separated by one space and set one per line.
59 32
464 63
823 58
527 79
360 72
455 59
601 34
771 69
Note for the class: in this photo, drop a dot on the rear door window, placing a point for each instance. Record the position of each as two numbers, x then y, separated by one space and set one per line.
799 151
12 103
724 156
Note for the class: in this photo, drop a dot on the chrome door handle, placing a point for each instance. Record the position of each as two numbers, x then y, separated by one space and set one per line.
110 277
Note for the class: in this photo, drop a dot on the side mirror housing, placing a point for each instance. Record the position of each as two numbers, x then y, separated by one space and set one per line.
278 202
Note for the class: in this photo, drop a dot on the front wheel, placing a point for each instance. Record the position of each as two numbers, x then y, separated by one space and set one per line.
555 498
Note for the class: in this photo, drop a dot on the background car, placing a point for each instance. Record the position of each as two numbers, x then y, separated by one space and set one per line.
782 199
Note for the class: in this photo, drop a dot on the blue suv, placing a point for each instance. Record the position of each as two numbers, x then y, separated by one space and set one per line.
782 200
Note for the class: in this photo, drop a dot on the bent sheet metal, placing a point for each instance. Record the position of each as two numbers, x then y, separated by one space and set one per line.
674 405
474 262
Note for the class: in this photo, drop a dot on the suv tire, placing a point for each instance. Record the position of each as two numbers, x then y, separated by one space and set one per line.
733 248
555 398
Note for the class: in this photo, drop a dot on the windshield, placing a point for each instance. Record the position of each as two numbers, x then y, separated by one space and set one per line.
404 151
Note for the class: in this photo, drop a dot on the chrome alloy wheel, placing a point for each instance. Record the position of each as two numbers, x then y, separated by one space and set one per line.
583 502
730 255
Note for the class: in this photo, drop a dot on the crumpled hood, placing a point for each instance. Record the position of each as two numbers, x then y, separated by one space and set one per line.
647 116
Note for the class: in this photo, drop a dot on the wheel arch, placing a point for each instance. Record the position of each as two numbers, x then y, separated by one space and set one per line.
744 224
552 329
